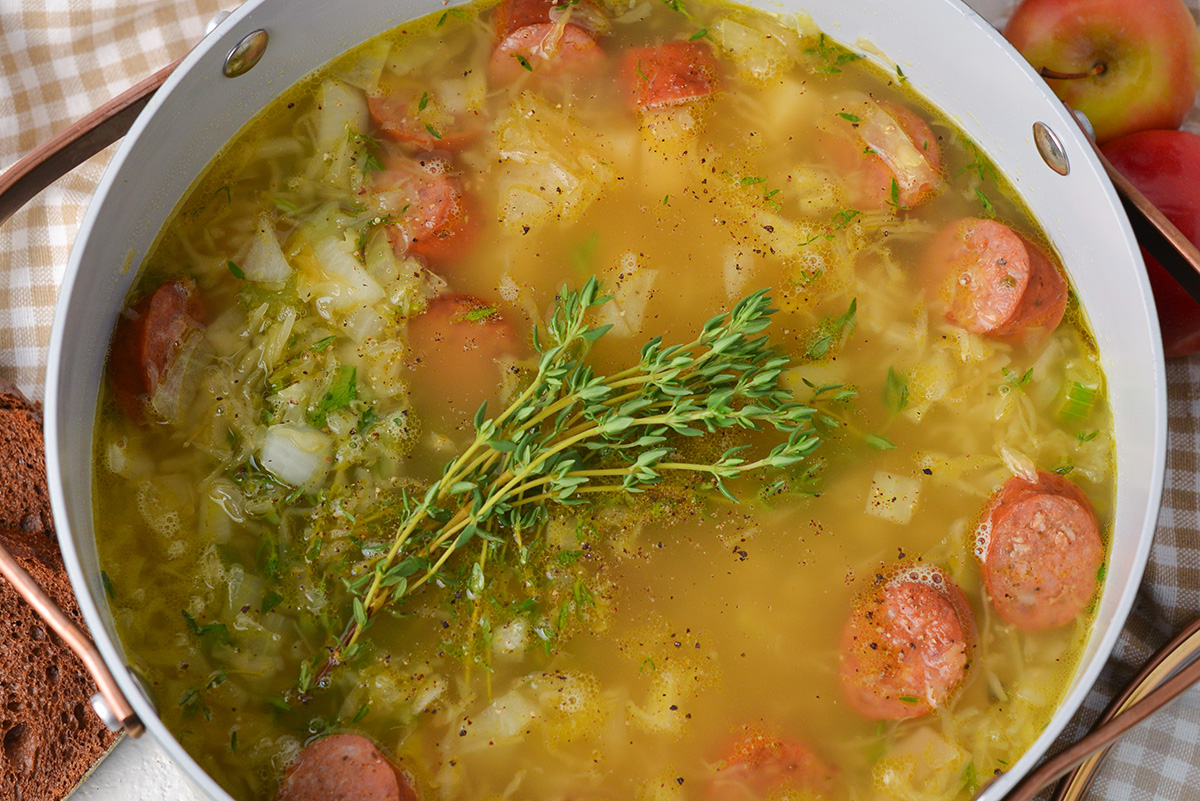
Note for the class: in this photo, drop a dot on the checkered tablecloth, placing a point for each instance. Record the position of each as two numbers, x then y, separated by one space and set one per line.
61 58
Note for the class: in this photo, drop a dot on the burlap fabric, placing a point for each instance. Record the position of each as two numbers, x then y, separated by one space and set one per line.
61 58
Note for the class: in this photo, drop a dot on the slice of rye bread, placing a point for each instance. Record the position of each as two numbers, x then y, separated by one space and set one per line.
50 738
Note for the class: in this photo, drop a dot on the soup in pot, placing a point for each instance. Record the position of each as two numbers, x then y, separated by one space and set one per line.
611 399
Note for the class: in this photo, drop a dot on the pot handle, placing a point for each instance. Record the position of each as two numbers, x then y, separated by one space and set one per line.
83 139
110 703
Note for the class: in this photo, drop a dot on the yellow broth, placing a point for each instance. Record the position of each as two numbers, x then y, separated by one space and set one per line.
632 641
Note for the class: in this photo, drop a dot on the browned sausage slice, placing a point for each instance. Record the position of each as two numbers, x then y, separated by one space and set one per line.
148 339
456 344
345 767
668 75
1039 548
885 144
434 216
906 646
512 15
758 766
391 113
995 282
570 49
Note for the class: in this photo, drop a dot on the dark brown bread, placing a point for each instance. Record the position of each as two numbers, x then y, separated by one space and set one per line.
24 497
49 736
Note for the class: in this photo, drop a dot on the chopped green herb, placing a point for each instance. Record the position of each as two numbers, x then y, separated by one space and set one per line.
988 208
1086 436
1102 572
666 199
235 271
432 131
524 62
677 5
900 74
895 390
228 193
371 163
880 444
360 714
832 331
1064 469
849 117
108 586
908 699
270 601
584 254
700 34
831 56
233 740
640 73
323 343
217 630
479 315
970 780
423 102
342 392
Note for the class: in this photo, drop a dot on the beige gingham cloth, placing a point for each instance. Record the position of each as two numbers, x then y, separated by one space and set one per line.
60 59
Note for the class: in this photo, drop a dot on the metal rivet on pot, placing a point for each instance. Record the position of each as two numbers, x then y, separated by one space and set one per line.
105 713
1050 148
246 53
216 20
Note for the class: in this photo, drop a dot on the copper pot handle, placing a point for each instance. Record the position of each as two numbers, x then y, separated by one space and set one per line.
83 139
110 703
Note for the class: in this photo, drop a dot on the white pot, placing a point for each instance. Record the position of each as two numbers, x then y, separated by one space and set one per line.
949 54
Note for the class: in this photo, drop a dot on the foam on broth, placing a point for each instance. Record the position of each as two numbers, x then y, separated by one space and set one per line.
622 652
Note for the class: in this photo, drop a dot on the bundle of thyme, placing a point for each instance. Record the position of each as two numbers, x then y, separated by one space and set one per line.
572 433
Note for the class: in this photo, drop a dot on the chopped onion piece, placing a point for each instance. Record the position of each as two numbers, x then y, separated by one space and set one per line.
297 455
264 262
341 108
893 497
354 286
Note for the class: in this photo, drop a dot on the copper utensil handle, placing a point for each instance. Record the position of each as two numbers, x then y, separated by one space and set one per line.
1104 734
75 639
83 139
1182 648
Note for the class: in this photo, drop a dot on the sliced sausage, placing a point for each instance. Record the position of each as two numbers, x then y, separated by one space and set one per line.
148 339
875 144
758 766
669 74
993 281
906 645
568 48
1039 548
434 217
345 767
393 115
456 344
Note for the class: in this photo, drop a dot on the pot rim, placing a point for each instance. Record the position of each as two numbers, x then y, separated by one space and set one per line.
220 41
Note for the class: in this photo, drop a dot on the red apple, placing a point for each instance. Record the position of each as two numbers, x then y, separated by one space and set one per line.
1135 63
1165 167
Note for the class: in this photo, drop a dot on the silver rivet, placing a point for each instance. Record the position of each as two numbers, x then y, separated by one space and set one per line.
105 713
216 20
1050 148
246 53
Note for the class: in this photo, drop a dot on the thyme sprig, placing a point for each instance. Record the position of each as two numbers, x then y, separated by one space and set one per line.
572 433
